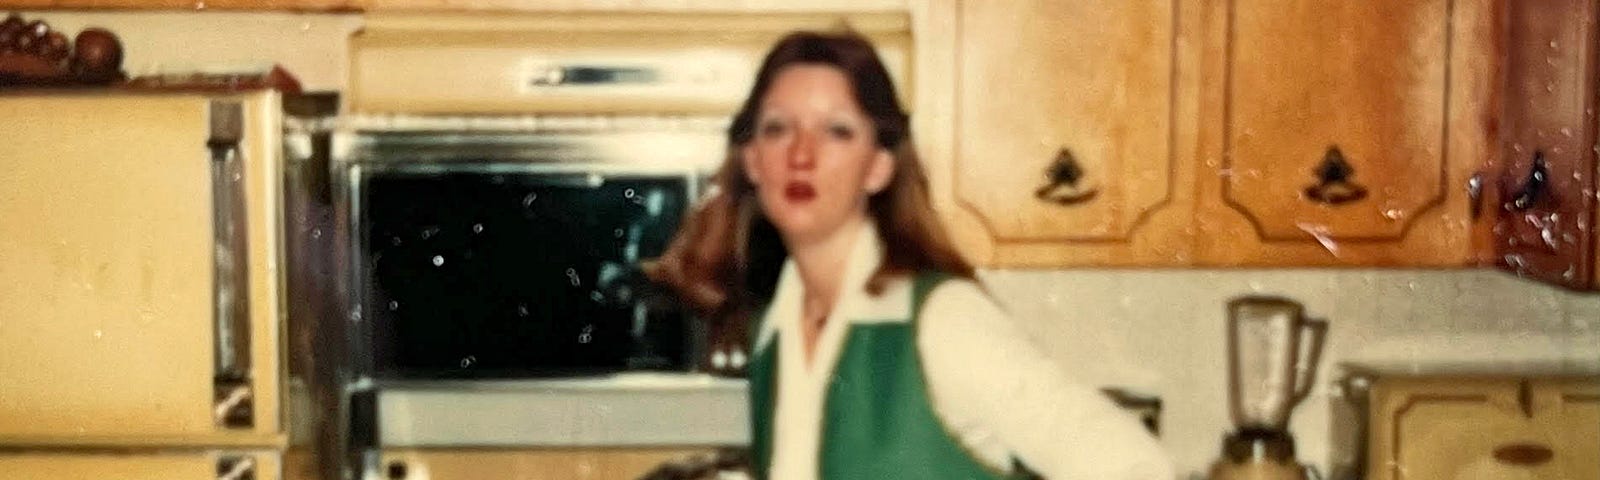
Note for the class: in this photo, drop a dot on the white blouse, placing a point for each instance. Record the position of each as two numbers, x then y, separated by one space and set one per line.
990 385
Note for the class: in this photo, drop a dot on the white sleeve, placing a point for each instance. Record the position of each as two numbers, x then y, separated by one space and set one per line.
1000 395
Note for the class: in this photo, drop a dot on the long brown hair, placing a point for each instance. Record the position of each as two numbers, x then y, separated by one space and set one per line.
727 256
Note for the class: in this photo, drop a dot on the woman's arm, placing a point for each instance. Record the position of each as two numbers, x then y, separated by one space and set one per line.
999 394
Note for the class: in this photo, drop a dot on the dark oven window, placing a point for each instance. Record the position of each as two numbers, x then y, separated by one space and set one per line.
513 274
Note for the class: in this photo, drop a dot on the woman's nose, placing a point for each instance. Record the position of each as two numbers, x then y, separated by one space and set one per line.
802 154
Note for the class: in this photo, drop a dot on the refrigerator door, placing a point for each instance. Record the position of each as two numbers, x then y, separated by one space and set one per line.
230 465
140 270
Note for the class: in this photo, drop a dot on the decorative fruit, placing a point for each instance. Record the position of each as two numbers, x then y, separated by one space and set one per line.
9 29
30 35
53 48
96 52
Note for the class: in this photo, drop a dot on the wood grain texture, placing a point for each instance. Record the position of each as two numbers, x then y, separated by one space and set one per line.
1551 87
1100 80
1400 88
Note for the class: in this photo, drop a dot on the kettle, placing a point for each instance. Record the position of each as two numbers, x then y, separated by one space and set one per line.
1272 356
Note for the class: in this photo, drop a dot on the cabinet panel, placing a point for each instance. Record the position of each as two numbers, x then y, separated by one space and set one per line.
1344 131
1544 208
1484 428
195 466
1065 121
1570 411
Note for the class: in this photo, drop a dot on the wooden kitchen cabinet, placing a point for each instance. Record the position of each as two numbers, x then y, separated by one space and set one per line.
1342 133
528 464
1541 209
1484 428
1060 145
1218 133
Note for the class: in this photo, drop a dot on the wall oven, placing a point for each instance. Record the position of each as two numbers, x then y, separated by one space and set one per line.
513 250
492 285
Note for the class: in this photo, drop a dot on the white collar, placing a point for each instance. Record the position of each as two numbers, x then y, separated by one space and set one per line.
854 305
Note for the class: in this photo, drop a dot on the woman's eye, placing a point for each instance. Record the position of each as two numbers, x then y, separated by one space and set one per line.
842 132
772 128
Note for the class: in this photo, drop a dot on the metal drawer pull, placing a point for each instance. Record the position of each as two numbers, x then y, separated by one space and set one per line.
1062 182
1334 185
1523 454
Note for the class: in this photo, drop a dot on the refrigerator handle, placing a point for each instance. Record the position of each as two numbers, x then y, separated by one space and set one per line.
230 283
236 467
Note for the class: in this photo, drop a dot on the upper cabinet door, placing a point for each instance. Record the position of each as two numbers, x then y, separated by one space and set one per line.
1063 140
1342 133
1544 209
140 270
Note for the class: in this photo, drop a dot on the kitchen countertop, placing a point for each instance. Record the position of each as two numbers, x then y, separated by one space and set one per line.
634 409
1478 354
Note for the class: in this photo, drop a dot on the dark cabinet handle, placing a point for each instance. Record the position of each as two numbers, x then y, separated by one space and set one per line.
1334 184
1062 180
1533 188
1523 454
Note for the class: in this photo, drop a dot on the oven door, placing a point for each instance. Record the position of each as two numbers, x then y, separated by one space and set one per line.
516 255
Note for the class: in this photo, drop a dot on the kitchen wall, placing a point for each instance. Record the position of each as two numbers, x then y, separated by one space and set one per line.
1159 331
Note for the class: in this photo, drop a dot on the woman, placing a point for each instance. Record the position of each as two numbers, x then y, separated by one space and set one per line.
877 355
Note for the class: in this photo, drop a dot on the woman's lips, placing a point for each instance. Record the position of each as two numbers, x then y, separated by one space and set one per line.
799 192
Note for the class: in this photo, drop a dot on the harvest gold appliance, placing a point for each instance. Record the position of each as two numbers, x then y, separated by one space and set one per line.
141 313
1272 357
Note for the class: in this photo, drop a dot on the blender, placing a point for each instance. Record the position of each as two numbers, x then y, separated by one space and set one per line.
1272 356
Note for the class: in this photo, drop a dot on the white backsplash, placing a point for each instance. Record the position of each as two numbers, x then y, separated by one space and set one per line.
1162 331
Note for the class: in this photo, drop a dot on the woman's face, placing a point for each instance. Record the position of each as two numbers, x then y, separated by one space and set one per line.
814 158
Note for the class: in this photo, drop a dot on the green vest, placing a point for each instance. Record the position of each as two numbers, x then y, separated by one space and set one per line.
878 422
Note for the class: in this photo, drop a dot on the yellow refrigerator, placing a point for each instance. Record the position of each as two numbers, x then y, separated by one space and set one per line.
140 289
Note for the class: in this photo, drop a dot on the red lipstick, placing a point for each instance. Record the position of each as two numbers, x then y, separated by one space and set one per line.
799 192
